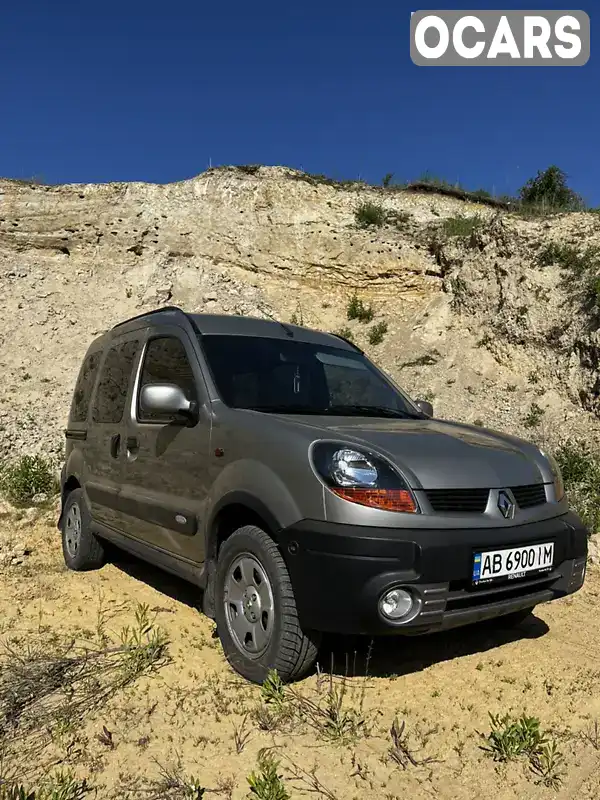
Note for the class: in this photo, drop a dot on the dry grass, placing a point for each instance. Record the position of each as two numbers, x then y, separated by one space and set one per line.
94 702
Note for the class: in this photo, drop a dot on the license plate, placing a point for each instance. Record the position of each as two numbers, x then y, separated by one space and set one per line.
514 563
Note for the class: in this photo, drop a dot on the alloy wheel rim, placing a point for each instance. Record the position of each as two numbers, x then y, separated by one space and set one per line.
249 605
73 530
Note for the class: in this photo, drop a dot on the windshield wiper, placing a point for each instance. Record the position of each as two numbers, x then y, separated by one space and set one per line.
291 409
354 410
372 411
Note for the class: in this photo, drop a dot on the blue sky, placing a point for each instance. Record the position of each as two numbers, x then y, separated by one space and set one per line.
135 90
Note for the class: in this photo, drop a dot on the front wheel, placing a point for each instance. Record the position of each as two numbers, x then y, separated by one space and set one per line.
256 613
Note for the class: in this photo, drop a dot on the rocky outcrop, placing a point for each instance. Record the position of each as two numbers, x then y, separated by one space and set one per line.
472 321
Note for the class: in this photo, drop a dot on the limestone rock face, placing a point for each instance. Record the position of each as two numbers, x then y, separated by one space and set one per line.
472 322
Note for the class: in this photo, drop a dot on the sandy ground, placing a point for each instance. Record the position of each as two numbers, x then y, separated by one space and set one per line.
191 711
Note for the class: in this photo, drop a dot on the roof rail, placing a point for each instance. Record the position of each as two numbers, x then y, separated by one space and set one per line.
149 313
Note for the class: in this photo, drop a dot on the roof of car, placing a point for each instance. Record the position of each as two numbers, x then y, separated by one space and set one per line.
232 325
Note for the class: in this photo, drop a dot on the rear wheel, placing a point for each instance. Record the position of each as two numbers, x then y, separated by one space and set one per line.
256 613
82 550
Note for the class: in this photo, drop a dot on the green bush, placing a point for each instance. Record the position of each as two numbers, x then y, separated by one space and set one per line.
357 310
377 333
549 191
30 475
534 416
368 214
568 257
461 226
580 468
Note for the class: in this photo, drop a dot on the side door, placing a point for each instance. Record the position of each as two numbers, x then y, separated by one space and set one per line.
105 440
166 473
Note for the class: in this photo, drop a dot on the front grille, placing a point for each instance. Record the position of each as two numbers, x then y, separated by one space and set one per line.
472 501
529 496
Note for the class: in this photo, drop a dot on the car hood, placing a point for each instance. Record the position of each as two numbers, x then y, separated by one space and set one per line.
436 454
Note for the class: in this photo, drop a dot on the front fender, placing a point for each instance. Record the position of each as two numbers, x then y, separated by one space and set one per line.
250 482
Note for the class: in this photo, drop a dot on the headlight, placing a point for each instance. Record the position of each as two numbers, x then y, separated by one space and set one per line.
559 486
362 477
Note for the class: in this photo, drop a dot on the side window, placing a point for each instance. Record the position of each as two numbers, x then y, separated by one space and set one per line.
166 362
114 382
83 388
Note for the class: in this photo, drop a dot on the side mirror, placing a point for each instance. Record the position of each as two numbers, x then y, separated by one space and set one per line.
167 399
425 407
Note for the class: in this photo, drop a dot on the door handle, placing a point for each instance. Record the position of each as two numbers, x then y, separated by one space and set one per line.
115 445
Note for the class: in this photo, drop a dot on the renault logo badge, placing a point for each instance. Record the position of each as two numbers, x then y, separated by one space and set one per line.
506 505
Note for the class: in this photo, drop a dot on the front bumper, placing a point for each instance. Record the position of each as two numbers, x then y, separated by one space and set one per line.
339 572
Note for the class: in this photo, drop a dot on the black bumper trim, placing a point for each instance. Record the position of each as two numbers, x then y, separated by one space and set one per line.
339 572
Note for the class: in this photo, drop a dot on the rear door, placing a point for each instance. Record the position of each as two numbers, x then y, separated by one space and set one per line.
165 478
105 441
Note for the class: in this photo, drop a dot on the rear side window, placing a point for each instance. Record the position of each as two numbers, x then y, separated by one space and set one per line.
166 361
84 387
114 382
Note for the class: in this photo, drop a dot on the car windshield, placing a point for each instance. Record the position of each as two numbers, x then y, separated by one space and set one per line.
295 377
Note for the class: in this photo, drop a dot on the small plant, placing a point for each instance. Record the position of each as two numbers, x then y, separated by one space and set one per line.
370 214
534 416
568 257
548 763
267 783
377 332
357 310
13 792
400 751
533 377
512 387
174 784
461 226
478 422
333 718
275 709
22 480
273 689
387 179
511 738
63 786
241 735
592 736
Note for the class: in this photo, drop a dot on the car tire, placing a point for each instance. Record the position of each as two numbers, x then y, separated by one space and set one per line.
82 550
255 610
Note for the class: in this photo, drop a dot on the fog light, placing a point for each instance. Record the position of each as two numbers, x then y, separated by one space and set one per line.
396 604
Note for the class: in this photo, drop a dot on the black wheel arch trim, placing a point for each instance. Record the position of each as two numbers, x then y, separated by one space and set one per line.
240 498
